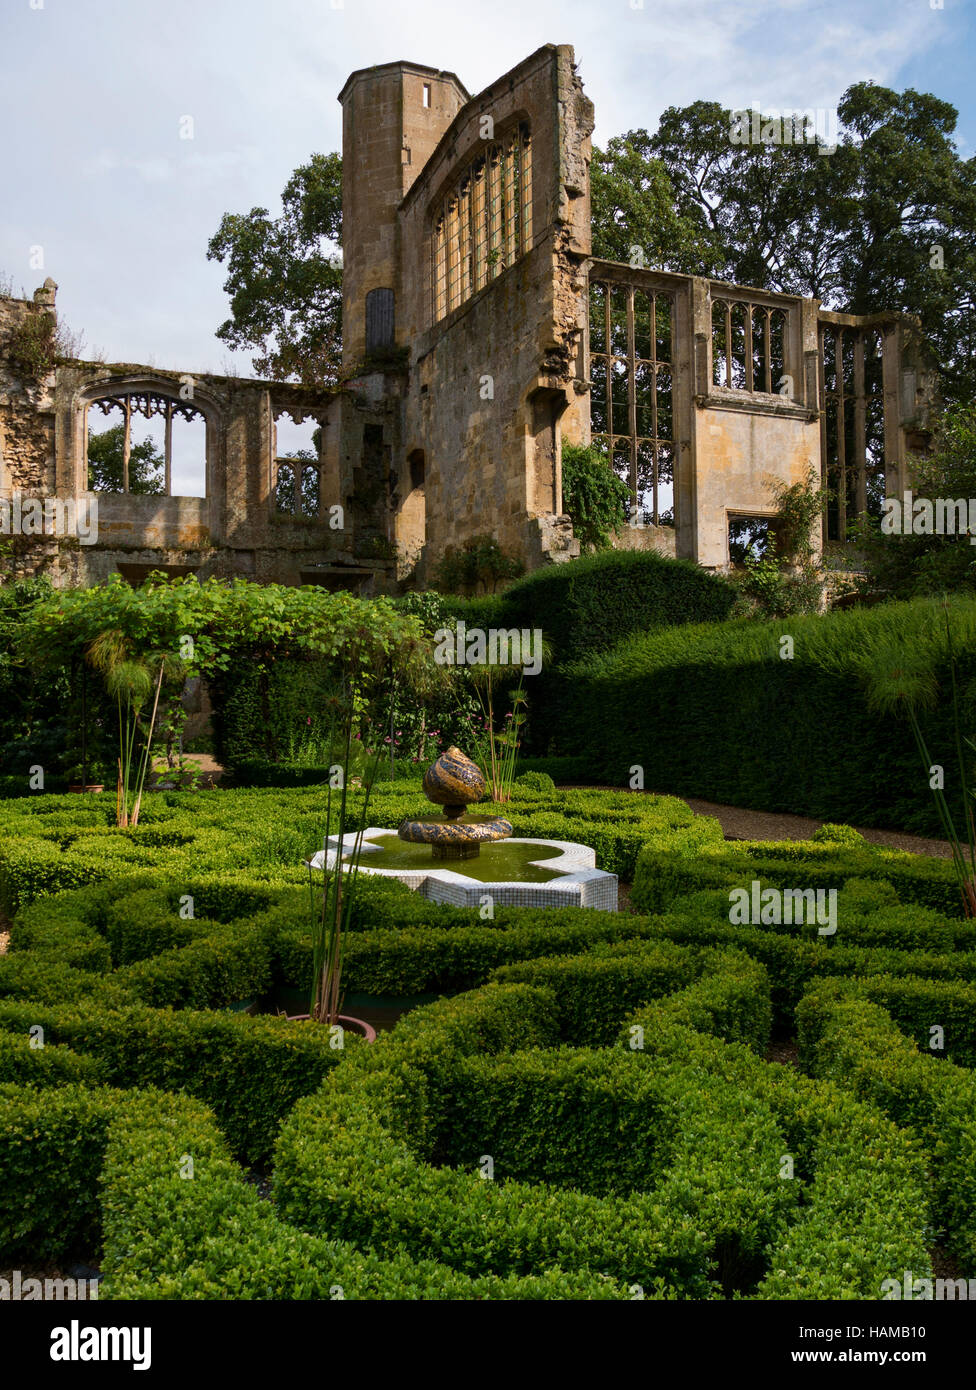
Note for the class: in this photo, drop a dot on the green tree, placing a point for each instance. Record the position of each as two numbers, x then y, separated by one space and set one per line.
887 220
284 278
479 565
781 576
635 213
147 476
908 566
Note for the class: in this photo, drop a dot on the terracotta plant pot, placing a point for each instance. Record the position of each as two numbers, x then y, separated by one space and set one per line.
77 787
352 1025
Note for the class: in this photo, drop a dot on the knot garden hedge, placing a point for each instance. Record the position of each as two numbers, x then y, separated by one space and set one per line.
588 1112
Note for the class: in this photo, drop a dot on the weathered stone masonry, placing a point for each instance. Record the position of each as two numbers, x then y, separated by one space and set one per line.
479 335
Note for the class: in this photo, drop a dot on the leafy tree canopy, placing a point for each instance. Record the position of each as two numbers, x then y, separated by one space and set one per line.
284 278
911 565
885 221
147 467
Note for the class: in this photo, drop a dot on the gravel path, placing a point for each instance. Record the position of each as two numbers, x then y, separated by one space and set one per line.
738 823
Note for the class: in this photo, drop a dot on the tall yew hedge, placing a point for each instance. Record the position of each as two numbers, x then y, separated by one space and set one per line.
715 711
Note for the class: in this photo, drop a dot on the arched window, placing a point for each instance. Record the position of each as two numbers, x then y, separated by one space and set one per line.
152 444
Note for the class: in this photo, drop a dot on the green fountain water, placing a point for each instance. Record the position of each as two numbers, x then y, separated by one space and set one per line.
501 862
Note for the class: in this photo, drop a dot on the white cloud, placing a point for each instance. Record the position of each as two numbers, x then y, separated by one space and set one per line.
96 91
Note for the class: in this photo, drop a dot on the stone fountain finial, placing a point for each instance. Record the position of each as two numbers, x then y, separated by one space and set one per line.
454 782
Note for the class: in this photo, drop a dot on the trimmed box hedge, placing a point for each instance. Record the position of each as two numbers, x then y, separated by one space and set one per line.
844 1036
611 1065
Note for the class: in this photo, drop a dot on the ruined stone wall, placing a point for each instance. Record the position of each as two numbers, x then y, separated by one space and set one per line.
234 529
26 405
450 420
494 383
749 443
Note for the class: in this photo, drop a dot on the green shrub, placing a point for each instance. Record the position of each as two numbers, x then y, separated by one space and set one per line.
731 1001
656 1162
591 604
594 497
838 835
215 1238
594 991
365 1158
52 1140
535 782
254 1068
661 877
842 1035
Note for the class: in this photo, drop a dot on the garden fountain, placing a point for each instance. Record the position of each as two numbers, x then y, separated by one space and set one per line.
454 782
460 859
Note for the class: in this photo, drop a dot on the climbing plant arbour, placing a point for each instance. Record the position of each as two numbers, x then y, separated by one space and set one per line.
216 626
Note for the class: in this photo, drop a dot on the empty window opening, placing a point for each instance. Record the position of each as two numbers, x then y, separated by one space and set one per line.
748 346
411 516
852 427
750 538
485 223
631 413
149 445
427 94
297 480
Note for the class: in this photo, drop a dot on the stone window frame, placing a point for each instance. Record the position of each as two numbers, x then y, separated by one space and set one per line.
482 224
153 388
743 348
852 430
634 448
297 468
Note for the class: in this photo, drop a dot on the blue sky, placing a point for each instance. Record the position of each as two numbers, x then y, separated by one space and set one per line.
92 93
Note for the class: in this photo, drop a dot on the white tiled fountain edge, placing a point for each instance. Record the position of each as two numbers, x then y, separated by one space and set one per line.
580 884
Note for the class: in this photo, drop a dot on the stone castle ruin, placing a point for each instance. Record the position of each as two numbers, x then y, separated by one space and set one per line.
479 335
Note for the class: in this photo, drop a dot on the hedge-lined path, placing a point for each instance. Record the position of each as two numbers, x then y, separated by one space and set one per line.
738 823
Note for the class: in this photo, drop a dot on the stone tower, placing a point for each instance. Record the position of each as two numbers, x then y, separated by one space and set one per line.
392 119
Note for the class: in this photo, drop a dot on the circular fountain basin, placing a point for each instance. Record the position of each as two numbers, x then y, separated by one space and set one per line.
512 871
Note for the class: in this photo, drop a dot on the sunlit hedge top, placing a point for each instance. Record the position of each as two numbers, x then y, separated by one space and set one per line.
228 621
